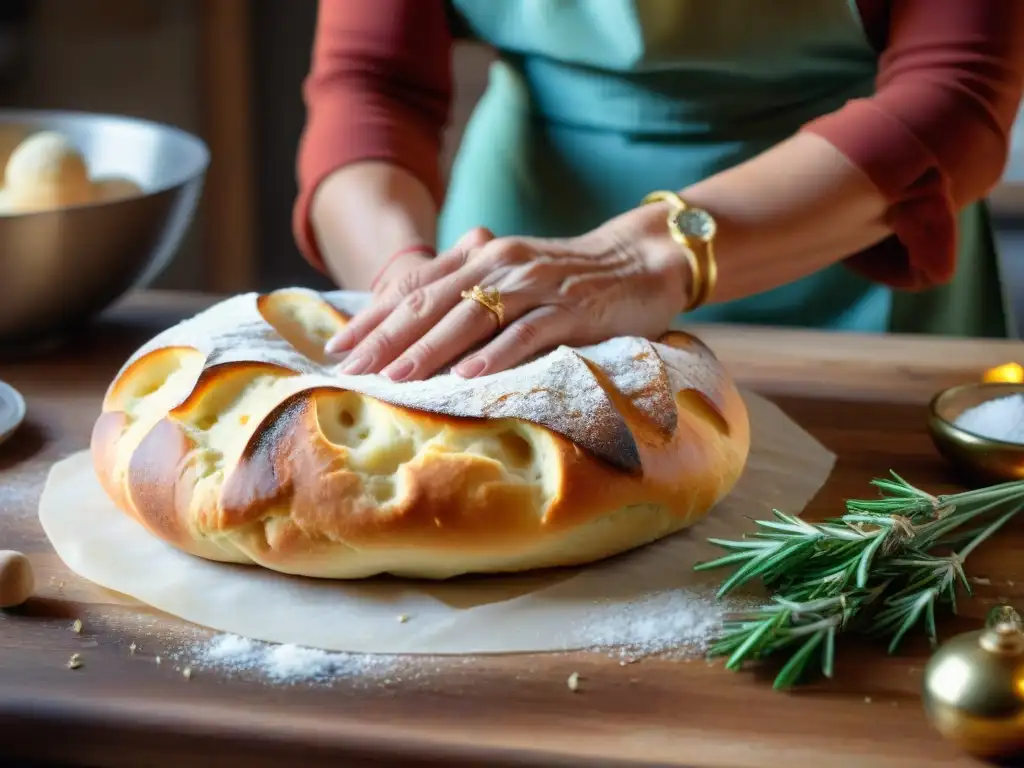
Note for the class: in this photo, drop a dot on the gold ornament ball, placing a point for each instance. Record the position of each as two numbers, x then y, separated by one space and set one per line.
974 688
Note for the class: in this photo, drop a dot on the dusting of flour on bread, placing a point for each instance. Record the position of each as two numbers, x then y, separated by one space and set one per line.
558 390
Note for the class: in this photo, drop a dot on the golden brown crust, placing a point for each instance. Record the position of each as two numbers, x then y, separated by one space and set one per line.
158 473
103 445
135 381
304 321
240 462
441 507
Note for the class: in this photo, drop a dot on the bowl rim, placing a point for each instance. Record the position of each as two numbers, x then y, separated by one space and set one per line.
13 116
1012 387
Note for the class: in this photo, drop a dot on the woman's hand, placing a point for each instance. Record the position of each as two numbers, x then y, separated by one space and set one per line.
625 278
402 275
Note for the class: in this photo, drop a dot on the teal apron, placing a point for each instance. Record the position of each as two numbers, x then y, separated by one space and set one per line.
594 103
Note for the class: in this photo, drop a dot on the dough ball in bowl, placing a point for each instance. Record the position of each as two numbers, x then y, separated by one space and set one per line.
46 171
47 158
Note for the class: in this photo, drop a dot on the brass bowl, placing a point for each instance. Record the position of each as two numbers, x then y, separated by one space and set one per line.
980 458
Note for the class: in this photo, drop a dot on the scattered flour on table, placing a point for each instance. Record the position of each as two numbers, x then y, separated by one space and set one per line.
292 663
998 419
675 623
19 493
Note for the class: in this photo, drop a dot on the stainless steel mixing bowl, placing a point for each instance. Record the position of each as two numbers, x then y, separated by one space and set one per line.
59 268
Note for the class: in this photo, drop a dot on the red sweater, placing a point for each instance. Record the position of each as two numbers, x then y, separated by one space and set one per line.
933 138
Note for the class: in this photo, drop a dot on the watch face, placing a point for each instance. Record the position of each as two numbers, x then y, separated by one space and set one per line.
696 223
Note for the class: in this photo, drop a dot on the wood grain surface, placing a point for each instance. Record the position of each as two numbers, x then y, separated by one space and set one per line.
863 397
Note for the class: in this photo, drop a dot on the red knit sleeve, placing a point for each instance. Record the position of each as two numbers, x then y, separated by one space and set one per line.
379 88
935 136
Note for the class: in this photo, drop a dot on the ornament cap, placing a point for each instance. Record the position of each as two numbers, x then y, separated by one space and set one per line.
1004 632
1002 639
1004 615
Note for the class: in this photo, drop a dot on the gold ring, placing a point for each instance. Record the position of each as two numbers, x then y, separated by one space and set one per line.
489 299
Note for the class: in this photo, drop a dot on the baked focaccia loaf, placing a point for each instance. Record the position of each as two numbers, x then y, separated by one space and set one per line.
231 437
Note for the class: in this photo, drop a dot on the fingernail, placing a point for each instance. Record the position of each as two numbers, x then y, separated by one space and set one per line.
338 343
355 366
399 370
469 369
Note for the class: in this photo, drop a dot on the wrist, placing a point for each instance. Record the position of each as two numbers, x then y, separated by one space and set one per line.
644 234
364 213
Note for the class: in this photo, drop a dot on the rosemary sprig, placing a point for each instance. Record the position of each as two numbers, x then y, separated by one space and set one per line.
880 569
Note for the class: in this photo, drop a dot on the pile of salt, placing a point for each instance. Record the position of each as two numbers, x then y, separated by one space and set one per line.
999 419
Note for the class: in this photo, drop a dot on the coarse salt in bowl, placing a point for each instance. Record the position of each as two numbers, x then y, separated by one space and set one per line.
979 428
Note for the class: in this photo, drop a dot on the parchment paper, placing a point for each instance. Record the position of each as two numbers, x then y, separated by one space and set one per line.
548 611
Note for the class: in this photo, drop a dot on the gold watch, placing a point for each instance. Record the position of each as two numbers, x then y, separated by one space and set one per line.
695 230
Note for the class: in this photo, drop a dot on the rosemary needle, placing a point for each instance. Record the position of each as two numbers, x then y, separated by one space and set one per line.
883 567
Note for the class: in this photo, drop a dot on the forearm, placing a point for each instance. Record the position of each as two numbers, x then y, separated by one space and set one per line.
783 215
377 97
364 213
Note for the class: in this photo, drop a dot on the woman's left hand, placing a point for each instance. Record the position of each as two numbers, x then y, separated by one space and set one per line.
623 279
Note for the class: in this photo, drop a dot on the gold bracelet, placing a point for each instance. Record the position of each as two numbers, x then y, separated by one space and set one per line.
697 280
663 195
694 229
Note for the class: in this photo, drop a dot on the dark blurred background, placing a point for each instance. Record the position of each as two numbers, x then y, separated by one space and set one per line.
230 71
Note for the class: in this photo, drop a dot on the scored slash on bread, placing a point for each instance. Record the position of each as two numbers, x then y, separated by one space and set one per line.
230 437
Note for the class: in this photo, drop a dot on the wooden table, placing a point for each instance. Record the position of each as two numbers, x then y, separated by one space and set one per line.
863 397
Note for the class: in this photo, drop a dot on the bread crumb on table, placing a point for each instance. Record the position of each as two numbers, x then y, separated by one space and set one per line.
573 682
75 661
77 627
